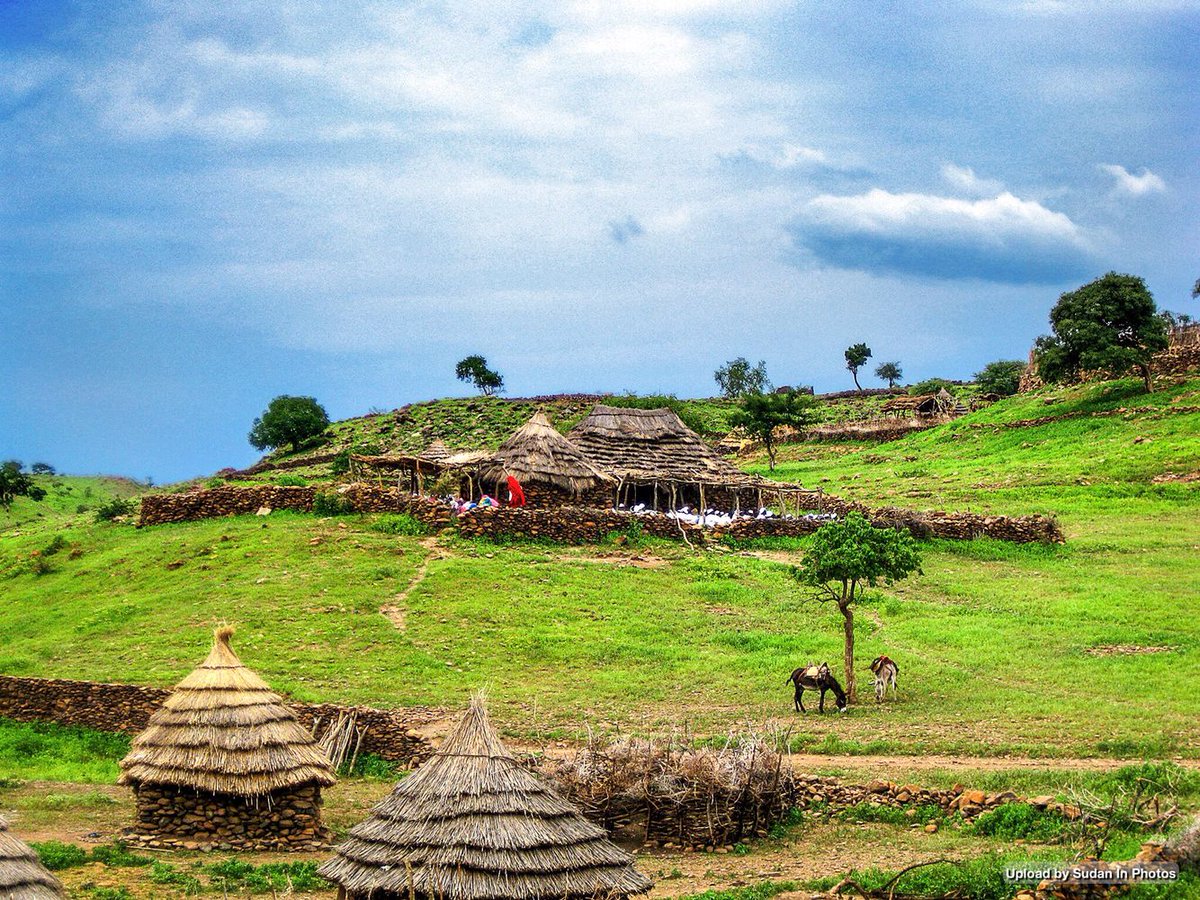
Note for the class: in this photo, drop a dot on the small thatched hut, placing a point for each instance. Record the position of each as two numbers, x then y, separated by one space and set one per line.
552 471
473 824
225 763
22 875
436 452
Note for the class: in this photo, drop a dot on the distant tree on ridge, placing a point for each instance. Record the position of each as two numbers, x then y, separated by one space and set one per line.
737 378
856 357
475 369
889 372
288 420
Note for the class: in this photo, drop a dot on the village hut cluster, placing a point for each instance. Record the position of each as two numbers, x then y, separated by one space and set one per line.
641 460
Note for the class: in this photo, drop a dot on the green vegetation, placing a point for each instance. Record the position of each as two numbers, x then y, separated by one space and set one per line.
761 414
288 421
856 357
42 750
15 482
738 379
475 370
1021 821
889 372
1002 377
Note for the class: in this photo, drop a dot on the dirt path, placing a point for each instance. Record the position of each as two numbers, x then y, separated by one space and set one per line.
395 611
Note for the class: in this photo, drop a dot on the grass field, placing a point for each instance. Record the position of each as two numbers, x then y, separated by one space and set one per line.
1001 647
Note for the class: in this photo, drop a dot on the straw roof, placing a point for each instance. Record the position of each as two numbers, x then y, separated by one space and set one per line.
651 444
435 452
224 731
22 875
472 824
538 453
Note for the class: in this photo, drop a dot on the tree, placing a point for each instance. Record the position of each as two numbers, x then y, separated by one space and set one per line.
856 357
737 378
847 556
889 372
288 420
1003 377
41 468
14 482
475 370
1196 289
1110 324
761 414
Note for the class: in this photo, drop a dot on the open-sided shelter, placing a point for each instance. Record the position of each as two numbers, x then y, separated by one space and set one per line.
551 470
22 875
473 824
657 460
225 762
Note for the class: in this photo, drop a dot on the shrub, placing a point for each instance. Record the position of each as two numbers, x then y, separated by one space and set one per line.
117 854
100 892
931 386
401 524
331 503
39 565
234 874
340 464
54 546
372 767
117 506
1020 821
291 481
1001 377
165 873
56 855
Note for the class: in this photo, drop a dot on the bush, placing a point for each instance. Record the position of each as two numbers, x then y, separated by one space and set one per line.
165 873
236 875
117 506
340 464
372 767
59 543
117 854
401 524
100 892
1001 377
331 503
931 386
291 481
56 855
1020 821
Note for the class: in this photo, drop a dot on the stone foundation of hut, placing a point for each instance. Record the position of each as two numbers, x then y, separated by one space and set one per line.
174 818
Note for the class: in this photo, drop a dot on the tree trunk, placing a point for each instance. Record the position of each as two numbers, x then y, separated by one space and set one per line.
770 453
854 375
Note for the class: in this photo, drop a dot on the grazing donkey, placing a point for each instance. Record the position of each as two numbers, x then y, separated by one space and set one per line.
817 678
885 671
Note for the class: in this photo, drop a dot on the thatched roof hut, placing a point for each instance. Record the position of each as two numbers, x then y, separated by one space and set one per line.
536 453
473 824
436 452
650 443
22 875
224 731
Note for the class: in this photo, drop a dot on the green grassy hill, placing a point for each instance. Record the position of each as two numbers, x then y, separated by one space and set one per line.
1002 648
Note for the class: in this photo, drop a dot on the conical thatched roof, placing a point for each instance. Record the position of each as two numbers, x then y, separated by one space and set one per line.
650 443
538 453
223 730
435 452
472 824
22 875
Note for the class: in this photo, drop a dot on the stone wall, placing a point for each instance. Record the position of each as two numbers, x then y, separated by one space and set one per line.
126 708
227 500
175 818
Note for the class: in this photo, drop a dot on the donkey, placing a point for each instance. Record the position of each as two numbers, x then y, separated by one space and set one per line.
816 678
885 671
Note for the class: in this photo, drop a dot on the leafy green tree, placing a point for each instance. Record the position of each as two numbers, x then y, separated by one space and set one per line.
475 370
847 556
1003 377
737 378
856 357
41 468
15 482
889 372
761 414
1110 324
288 420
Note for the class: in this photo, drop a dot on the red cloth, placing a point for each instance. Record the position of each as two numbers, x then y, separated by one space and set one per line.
516 496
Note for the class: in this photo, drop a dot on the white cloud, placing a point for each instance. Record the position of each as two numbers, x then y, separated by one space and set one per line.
785 155
1004 239
1133 185
964 179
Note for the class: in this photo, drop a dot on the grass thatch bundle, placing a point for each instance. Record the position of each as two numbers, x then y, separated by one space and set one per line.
22 875
649 444
224 731
473 824
436 452
538 454
696 796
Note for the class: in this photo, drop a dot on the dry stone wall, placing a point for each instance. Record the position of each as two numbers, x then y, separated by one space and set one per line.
393 734
174 818
227 500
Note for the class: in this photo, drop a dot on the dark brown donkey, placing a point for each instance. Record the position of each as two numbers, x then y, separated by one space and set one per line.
817 678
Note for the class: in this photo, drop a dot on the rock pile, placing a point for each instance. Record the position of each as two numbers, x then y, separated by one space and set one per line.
174 818
832 793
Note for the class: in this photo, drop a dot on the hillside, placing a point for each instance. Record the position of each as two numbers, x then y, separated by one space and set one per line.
1072 650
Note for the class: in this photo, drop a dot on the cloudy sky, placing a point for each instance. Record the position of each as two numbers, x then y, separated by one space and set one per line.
205 205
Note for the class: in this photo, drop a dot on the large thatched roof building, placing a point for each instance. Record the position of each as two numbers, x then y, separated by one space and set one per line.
473 824
549 467
22 875
225 762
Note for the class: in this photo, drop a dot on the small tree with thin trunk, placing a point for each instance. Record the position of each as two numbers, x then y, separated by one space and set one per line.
847 556
856 357
475 370
761 414
889 372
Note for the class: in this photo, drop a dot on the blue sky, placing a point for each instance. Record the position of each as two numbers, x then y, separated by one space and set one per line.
204 206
